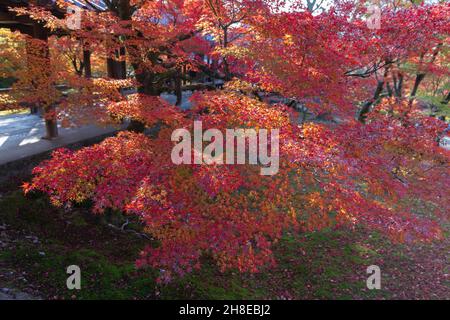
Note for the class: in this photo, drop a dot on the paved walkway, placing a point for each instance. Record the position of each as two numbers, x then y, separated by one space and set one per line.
20 136
185 103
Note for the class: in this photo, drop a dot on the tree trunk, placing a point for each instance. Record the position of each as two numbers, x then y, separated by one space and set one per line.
184 73
398 85
419 78
51 125
365 109
389 89
34 108
122 63
178 89
226 67
87 63
366 106
147 87
114 68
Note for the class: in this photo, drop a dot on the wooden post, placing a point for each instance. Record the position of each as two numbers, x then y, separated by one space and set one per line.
51 125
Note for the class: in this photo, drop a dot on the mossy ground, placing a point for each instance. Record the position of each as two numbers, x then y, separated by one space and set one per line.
42 241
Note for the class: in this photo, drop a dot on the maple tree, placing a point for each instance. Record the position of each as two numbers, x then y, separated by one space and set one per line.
365 168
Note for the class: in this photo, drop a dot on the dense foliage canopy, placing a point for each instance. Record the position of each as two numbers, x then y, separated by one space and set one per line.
368 157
